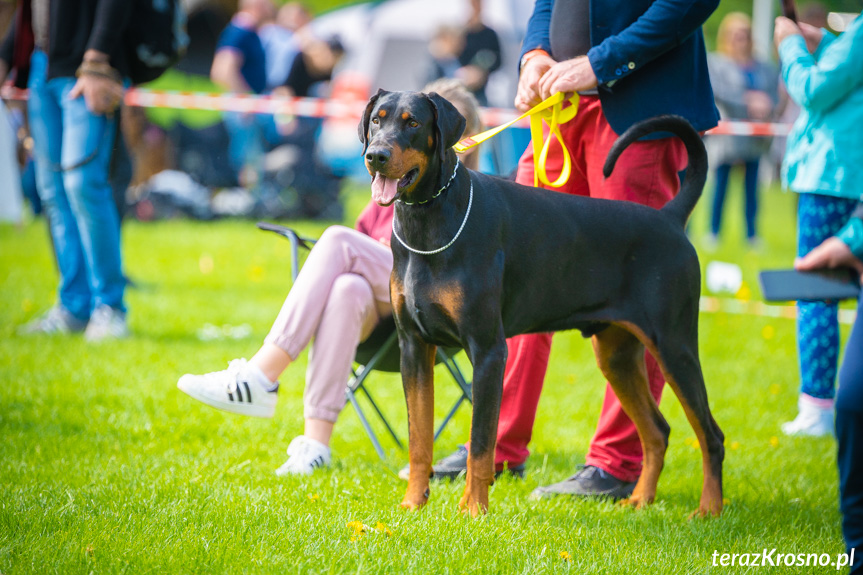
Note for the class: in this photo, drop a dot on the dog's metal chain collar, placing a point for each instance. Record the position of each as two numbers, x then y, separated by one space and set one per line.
452 241
439 192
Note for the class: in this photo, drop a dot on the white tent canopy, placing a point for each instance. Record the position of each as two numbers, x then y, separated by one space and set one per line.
387 41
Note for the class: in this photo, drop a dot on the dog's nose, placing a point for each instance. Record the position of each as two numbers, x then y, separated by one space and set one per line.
377 158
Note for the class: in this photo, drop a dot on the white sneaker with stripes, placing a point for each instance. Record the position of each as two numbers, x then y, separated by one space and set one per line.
304 456
241 388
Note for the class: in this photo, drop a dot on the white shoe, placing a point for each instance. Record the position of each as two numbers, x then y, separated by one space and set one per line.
241 388
106 323
305 455
813 420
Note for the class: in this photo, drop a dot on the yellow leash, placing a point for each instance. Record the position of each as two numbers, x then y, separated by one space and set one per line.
552 111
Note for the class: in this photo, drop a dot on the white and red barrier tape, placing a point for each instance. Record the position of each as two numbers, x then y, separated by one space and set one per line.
335 108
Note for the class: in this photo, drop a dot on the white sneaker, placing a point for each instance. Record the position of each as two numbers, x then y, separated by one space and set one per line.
106 323
56 320
241 388
305 455
812 420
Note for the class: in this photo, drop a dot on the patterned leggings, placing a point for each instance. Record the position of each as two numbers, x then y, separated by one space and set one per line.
818 218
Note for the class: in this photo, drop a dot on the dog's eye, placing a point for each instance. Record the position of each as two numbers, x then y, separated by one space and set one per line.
414 124
375 121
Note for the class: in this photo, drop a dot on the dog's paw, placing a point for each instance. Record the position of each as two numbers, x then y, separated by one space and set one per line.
414 502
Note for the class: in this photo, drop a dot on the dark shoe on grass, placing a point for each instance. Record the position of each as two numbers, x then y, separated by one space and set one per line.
455 465
589 481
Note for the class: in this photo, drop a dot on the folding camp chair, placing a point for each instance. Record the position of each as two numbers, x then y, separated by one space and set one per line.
380 351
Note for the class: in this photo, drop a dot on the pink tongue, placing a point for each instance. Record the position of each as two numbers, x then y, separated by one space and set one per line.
384 190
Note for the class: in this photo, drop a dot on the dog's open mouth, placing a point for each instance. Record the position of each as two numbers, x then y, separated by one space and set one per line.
385 190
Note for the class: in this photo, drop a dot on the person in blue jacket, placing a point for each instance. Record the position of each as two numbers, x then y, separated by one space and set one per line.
846 249
629 60
824 164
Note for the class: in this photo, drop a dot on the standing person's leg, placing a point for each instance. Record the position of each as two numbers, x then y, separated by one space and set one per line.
750 187
87 148
646 173
849 435
818 218
46 124
720 187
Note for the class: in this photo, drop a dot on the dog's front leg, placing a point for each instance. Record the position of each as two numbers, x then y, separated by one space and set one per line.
488 367
417 366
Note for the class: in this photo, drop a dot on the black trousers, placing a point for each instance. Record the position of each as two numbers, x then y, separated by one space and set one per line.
849 434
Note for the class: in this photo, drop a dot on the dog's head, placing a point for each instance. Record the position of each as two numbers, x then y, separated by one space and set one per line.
405 137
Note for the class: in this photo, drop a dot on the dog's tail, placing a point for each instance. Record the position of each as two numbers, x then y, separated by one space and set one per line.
681 206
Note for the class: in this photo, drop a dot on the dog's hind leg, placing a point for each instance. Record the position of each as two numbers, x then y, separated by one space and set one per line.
620 356
678 358
417 367
488 362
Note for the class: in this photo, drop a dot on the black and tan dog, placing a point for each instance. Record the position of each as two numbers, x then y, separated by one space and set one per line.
479 259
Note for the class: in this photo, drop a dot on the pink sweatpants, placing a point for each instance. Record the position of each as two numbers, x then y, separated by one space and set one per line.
340 295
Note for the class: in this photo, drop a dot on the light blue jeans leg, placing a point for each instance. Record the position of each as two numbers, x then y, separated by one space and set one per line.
89 138
47 130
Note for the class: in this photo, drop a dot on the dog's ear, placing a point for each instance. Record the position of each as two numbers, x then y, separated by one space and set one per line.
449 123
363 128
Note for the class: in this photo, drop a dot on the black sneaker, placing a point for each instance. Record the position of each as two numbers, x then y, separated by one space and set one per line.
455 465
589 481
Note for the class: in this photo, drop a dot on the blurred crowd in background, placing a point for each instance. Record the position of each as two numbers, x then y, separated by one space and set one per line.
203 164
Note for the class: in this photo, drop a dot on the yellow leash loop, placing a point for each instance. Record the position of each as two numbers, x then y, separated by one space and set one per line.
552 111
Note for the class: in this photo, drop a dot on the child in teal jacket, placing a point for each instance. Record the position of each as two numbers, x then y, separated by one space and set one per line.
824 164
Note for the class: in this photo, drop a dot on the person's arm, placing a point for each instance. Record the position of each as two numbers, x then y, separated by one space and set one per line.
537 35
99 84
818 85
225 71
664 25
111 21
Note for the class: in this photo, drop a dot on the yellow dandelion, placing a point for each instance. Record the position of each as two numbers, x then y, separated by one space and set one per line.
735 445
744 293
775 389
726 502
768 332
774 441
383 529
314 497
565 556
357 526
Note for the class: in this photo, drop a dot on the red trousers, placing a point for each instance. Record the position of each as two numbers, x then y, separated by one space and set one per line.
646 173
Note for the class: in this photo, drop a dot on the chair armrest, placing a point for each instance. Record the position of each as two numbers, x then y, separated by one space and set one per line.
296 240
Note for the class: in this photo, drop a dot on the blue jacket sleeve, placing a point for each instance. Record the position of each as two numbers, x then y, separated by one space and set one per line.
852 233
820 85
537 36
664 25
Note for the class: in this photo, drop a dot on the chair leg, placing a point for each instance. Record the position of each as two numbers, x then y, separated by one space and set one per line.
381 415
464 386
369 431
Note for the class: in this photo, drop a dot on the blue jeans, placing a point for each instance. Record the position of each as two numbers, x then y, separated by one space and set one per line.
72 150
849 435
751 189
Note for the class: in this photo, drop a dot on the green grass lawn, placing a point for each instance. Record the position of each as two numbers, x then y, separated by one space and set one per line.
106 467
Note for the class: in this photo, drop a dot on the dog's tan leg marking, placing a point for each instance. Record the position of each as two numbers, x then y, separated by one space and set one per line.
418 383
480 476
710 436
620 356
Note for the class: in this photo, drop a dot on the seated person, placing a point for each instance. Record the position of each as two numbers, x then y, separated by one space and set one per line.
338 298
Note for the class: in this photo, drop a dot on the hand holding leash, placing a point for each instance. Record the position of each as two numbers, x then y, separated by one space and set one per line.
575 75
